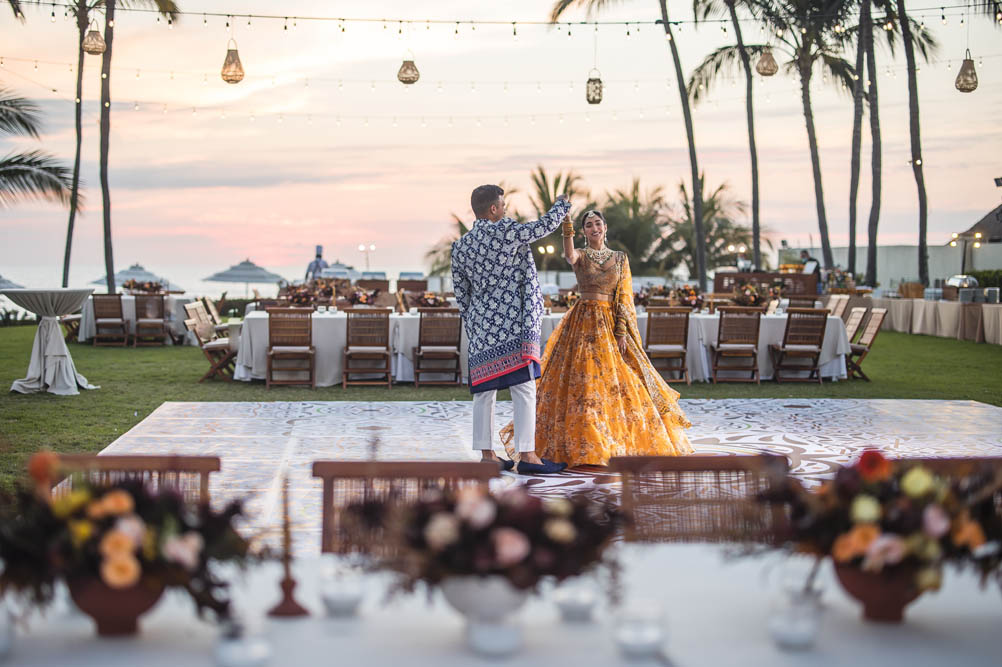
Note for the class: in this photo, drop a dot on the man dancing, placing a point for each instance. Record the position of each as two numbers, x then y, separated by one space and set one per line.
497 288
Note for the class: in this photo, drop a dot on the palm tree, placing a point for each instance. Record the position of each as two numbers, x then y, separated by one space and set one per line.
168 9
865 27
33 174
700 241
706 9
545 193
15 6
720 213
637 224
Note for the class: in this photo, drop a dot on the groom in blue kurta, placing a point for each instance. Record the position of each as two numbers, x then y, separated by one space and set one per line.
497 288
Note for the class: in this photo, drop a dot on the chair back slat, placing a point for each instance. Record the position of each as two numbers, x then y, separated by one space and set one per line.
412 285
290 327
107 306
368 327
213 312
805 326
347 483
373 283
852 323
668 326
837 304
872 326
738 325
150 306
801 302
202 331
700 498
188 475
196 311
440 327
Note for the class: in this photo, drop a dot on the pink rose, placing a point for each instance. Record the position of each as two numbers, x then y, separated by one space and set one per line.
184 550
510 546
935 521
132 526
888 549
476 509
441 531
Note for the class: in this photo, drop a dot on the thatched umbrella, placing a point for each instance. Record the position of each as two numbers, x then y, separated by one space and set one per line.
245 272
140 275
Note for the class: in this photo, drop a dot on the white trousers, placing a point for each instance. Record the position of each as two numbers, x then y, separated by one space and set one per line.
523 397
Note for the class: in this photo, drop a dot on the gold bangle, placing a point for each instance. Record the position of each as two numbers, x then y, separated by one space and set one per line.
567 229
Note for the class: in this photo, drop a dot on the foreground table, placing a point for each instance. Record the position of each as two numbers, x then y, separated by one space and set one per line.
716 610
51 367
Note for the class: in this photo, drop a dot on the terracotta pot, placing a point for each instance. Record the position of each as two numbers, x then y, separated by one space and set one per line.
884 594
115 610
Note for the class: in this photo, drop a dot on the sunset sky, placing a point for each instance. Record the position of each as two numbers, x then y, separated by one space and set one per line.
321 145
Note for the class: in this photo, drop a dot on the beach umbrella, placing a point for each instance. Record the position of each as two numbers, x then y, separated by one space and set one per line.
9 284
245 272
139 274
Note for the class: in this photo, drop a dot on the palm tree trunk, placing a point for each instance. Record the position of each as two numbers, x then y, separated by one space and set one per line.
857 130
812 140
109 33
75 191
746 61
697 186
916 142
871 229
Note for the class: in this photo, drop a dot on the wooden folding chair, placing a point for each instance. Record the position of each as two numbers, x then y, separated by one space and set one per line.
151 321
801 301
290 338
213 312
351 482
222 359
668 339
860 349
188 475
418 286
772 306
658 302
837 304
367 339
701 498
440 332
855 319
109 323
737 339
71 326
804 337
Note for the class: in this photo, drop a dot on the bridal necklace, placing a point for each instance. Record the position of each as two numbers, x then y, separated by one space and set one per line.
599 257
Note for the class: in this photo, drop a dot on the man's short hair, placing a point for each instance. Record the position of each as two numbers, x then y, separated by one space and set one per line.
483 198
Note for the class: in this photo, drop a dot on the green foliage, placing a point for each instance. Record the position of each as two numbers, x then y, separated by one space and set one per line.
990 278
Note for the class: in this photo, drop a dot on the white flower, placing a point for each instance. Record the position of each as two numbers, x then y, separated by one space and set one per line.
560 530
510 546
184 550
559 506
476 509
441 531
865 509
132 526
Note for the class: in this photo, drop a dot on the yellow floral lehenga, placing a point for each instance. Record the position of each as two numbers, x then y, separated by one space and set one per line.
593 401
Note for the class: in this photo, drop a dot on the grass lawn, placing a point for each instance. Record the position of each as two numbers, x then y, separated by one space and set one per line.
135 381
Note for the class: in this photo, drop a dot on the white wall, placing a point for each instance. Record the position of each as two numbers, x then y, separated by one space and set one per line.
900 263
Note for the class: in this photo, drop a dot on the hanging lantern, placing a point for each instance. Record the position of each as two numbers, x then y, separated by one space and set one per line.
593 89
967 77
766 65
93 43
233 71
408 73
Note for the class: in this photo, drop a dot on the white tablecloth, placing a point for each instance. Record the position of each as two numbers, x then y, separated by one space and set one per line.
51 367
716 610
174 306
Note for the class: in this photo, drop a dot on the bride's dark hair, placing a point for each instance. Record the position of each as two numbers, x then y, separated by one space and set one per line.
593 211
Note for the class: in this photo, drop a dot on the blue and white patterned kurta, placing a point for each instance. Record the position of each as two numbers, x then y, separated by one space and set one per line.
497 289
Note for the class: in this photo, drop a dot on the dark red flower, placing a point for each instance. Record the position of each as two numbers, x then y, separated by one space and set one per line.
873 467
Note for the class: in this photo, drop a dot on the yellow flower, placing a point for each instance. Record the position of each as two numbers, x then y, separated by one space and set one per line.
118 502
865 509
560 530
67 504
80 531
96 509
917 482
559 506
149 545
116 543
928 579
120 571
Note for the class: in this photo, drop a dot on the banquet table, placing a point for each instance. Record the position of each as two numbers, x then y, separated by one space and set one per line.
173 307
716 613
51 367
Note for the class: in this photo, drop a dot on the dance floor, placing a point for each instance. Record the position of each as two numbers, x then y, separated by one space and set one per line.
261 442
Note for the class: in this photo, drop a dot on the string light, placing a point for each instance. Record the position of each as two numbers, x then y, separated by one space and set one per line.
942 15
514 31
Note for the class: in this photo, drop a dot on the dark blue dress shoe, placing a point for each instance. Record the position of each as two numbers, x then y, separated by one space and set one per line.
547 468
506 464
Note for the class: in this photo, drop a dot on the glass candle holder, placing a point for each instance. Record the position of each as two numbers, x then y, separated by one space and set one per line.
639 630
576 600
342 589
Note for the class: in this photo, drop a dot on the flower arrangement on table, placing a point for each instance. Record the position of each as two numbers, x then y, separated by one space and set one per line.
363 297
148 287
839 279
115 539
566 300
431 300
897 518
688 295
301 296
746 294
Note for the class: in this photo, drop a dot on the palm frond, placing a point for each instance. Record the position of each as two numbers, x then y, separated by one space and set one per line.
15 6
34 175
591 7
841 72
19 115
724 60
166 8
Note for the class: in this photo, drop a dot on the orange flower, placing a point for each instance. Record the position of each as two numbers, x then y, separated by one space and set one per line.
873 467
967 533
96 509
854 543
42 466
118 502
116 543
120 571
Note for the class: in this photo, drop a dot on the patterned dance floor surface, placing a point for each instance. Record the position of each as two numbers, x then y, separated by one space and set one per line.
261 442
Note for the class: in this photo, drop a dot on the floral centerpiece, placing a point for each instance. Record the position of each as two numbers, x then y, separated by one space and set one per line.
688 295
148 287
301 296
746 294
117 546
363 297
839 279
890 526
431 300
564 300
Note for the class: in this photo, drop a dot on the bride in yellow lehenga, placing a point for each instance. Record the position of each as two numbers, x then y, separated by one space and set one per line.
599 395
